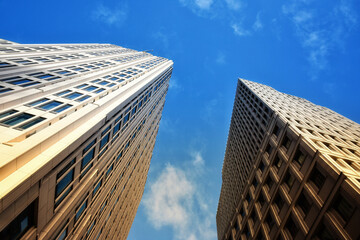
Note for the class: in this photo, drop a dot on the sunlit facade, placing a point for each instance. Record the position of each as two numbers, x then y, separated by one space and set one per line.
291 170
78 124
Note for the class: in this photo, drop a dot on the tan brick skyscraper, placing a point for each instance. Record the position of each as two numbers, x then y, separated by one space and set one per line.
291 170
78 124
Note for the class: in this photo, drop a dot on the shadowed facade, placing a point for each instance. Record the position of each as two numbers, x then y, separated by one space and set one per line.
291 169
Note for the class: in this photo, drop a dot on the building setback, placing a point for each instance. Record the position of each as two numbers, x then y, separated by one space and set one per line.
78 124
291 170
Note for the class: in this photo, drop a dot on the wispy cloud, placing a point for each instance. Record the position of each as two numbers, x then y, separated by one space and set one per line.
197 4
239 29
320 33
257 24
174 200
111 16
233 4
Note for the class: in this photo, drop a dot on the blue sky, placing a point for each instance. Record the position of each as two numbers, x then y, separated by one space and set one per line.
305 48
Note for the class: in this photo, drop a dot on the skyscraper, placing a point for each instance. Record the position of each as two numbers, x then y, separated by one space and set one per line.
78 124
291 170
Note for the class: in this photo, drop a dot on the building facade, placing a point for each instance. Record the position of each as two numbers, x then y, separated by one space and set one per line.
78 124
291 170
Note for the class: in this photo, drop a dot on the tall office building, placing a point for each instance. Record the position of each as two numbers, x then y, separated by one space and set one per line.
291 170
78 124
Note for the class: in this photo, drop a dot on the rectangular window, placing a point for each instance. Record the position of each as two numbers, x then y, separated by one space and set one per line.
289 180
17 119
82 86
62 93
83 98
286 142
116 128
126 118
97 187
343 207
73 95
50 105
85 161
60 187
80 211
103 83
31 123
277 162
104 140
100 90
4 90
89 146
8 113
19 82
21 224
109 170
38 101
317 178
91 88
304 203
62 108
299 157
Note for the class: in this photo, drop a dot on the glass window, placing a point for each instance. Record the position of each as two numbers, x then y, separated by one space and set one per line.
83 98
50 105
304 203
8 113
126 118
60 187
32 123
343 207
82 85
268 149
4 90
19 82
116 128
103 83
38 101
299 157
87 158
317 178
109 170
20 225
89 146
73 95
97 187
91 88
286 142
62 108
17 119
277 162
100 90
289 179
63 196
104 140
80 210
62 93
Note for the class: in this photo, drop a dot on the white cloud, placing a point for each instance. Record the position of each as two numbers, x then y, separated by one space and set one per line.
239 30
320 34
174 199
203 4
170 199
233 4
257 24
197 4
110 16
174 84
198 160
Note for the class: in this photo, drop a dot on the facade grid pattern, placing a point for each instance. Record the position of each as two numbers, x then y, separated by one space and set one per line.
78 124
290 170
